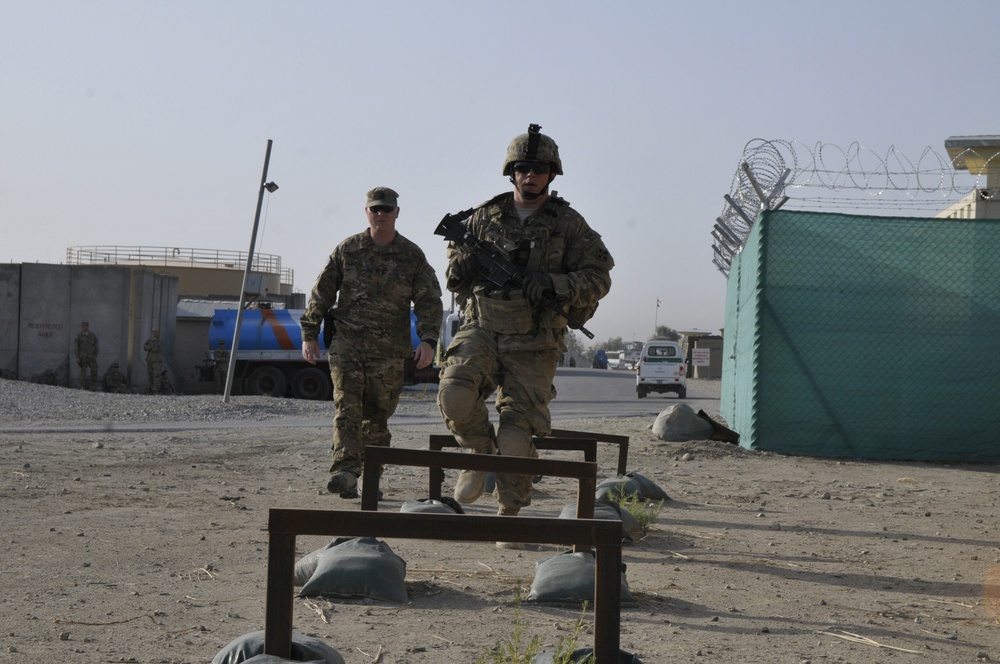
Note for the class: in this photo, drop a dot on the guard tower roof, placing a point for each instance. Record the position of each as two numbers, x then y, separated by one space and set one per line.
973 153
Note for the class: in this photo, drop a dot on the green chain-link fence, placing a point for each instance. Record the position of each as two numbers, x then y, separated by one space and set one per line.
865 336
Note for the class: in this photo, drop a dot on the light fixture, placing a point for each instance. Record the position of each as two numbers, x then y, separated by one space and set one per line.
271 187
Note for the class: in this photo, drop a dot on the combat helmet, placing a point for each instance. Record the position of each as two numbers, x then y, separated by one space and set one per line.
533 146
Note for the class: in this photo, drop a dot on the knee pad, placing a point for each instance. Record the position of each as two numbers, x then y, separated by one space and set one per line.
514 441
458 392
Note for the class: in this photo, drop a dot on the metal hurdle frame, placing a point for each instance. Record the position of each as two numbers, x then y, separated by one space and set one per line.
285 524
439 441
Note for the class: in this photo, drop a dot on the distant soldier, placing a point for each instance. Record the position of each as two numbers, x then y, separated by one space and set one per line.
221 357
46 377
85 349
114 380
164 386
154 360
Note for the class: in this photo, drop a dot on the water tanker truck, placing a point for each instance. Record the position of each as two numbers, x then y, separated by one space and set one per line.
269 359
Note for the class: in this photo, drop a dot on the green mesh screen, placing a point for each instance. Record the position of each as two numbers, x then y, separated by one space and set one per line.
862 336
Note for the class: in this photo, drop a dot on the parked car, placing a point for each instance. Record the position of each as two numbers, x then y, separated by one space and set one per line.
661 369
600 360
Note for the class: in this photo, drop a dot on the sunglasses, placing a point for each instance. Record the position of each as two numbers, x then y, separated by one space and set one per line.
538 168
385 209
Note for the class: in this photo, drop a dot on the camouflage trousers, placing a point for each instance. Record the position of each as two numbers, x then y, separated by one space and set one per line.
365 395
88 371
477 364
154 368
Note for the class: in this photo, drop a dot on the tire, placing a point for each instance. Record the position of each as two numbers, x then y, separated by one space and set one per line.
266 381
641 393
311 383
682 392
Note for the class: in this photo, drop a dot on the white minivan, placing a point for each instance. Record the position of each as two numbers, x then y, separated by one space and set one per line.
661 368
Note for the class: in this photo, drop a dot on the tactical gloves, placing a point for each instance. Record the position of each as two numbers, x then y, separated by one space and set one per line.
463 267
538 287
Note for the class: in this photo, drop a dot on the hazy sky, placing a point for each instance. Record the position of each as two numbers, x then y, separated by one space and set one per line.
146 123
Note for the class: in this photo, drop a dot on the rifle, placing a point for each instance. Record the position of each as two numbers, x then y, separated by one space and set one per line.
494 264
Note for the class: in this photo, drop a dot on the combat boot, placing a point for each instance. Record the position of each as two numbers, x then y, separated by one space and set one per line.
470 484
523 546
341 482
355 491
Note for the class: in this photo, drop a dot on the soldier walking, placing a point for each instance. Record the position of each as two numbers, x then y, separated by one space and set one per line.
367 287
512 340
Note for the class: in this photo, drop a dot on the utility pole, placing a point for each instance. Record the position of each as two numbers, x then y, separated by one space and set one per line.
270 187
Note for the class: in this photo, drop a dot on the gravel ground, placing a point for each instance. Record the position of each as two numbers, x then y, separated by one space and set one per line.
148 544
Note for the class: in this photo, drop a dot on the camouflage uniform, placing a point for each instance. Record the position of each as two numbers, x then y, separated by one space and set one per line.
372 287
85 349
114 380
221 358
164 386
507 345
154 362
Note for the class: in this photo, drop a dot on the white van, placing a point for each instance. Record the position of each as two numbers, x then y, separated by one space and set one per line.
661 368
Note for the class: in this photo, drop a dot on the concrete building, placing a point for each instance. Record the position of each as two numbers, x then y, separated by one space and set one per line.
980 155
44 305
124 292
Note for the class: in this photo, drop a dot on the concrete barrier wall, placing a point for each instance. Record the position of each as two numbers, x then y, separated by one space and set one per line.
10 296
46 333
47 304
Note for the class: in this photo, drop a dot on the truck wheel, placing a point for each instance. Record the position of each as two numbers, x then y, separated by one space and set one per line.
267 382
682 392
311 383
639 392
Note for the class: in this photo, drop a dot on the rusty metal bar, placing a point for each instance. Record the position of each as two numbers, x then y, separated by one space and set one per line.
280 592
438 442
285 524
375 457
614 439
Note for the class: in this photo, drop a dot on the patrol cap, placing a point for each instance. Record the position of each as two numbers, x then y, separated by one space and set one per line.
382 196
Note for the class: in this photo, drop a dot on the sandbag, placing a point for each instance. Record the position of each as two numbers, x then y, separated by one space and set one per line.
608 510
358 567
583 655
306 565
430 506
274 659
569 577
248 647
680 423
617 489
648 489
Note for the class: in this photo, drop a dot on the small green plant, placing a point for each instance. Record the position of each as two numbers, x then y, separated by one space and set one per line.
514 649
643 512
518 649
567 644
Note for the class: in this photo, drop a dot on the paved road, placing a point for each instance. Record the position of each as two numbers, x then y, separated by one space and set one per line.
606 393
581 393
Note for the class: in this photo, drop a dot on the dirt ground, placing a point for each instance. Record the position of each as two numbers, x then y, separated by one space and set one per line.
151 546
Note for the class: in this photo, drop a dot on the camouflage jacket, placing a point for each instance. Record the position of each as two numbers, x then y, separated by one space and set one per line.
85 345
154 349
555 240
368 290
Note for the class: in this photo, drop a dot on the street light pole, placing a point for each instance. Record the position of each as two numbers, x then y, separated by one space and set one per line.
270 186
